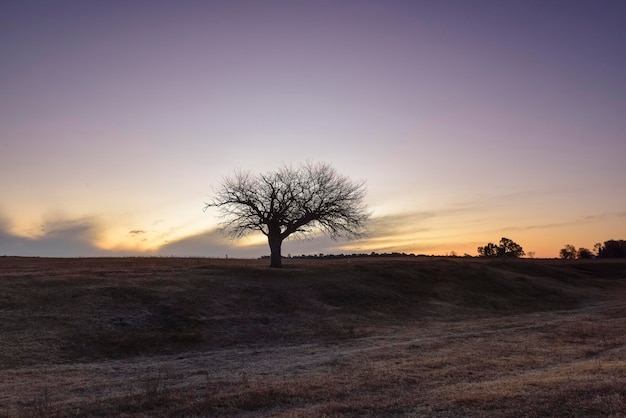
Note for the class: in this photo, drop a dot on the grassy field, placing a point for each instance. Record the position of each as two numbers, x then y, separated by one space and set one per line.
419 336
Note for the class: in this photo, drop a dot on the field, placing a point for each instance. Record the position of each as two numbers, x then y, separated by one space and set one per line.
413 336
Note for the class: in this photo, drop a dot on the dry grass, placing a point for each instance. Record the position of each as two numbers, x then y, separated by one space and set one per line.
358 337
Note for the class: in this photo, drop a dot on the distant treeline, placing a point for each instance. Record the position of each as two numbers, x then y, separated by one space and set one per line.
507 248
610 249
354 255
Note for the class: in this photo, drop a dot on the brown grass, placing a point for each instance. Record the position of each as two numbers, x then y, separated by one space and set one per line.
355 337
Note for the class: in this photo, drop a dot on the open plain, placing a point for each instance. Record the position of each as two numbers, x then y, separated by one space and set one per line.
408 336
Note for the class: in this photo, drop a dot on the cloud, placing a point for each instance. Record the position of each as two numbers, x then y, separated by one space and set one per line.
575 222
604 216
387 233
214 243
61 238
416 231
211 243
399 223
316 244
540 226
401 231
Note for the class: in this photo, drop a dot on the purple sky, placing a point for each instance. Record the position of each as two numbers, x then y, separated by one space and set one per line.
469 121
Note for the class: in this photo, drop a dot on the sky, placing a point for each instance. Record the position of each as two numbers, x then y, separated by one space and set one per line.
468 121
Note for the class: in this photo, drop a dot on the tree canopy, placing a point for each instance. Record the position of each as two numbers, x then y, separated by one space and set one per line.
506 248
568 252
611 249
300 200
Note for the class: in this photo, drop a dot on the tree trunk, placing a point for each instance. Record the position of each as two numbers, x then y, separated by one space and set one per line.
275 256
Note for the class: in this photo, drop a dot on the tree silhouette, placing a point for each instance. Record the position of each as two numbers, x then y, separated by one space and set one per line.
584 253
507 248
568 252
489 250
597 247
612 249
289 201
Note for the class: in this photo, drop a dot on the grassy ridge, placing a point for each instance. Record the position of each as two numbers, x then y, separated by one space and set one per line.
66 310
355 337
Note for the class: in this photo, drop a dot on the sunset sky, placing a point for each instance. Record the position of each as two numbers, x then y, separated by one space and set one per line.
468 120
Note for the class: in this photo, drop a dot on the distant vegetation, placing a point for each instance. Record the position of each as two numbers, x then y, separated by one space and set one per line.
610 249
353 255
507 248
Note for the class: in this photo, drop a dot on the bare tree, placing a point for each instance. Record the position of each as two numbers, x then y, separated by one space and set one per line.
290 201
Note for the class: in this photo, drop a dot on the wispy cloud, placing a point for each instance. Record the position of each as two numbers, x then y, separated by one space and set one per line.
604 216
573 222
413 221
539 226
398 223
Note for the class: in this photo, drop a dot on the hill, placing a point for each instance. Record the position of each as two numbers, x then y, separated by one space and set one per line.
233 337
